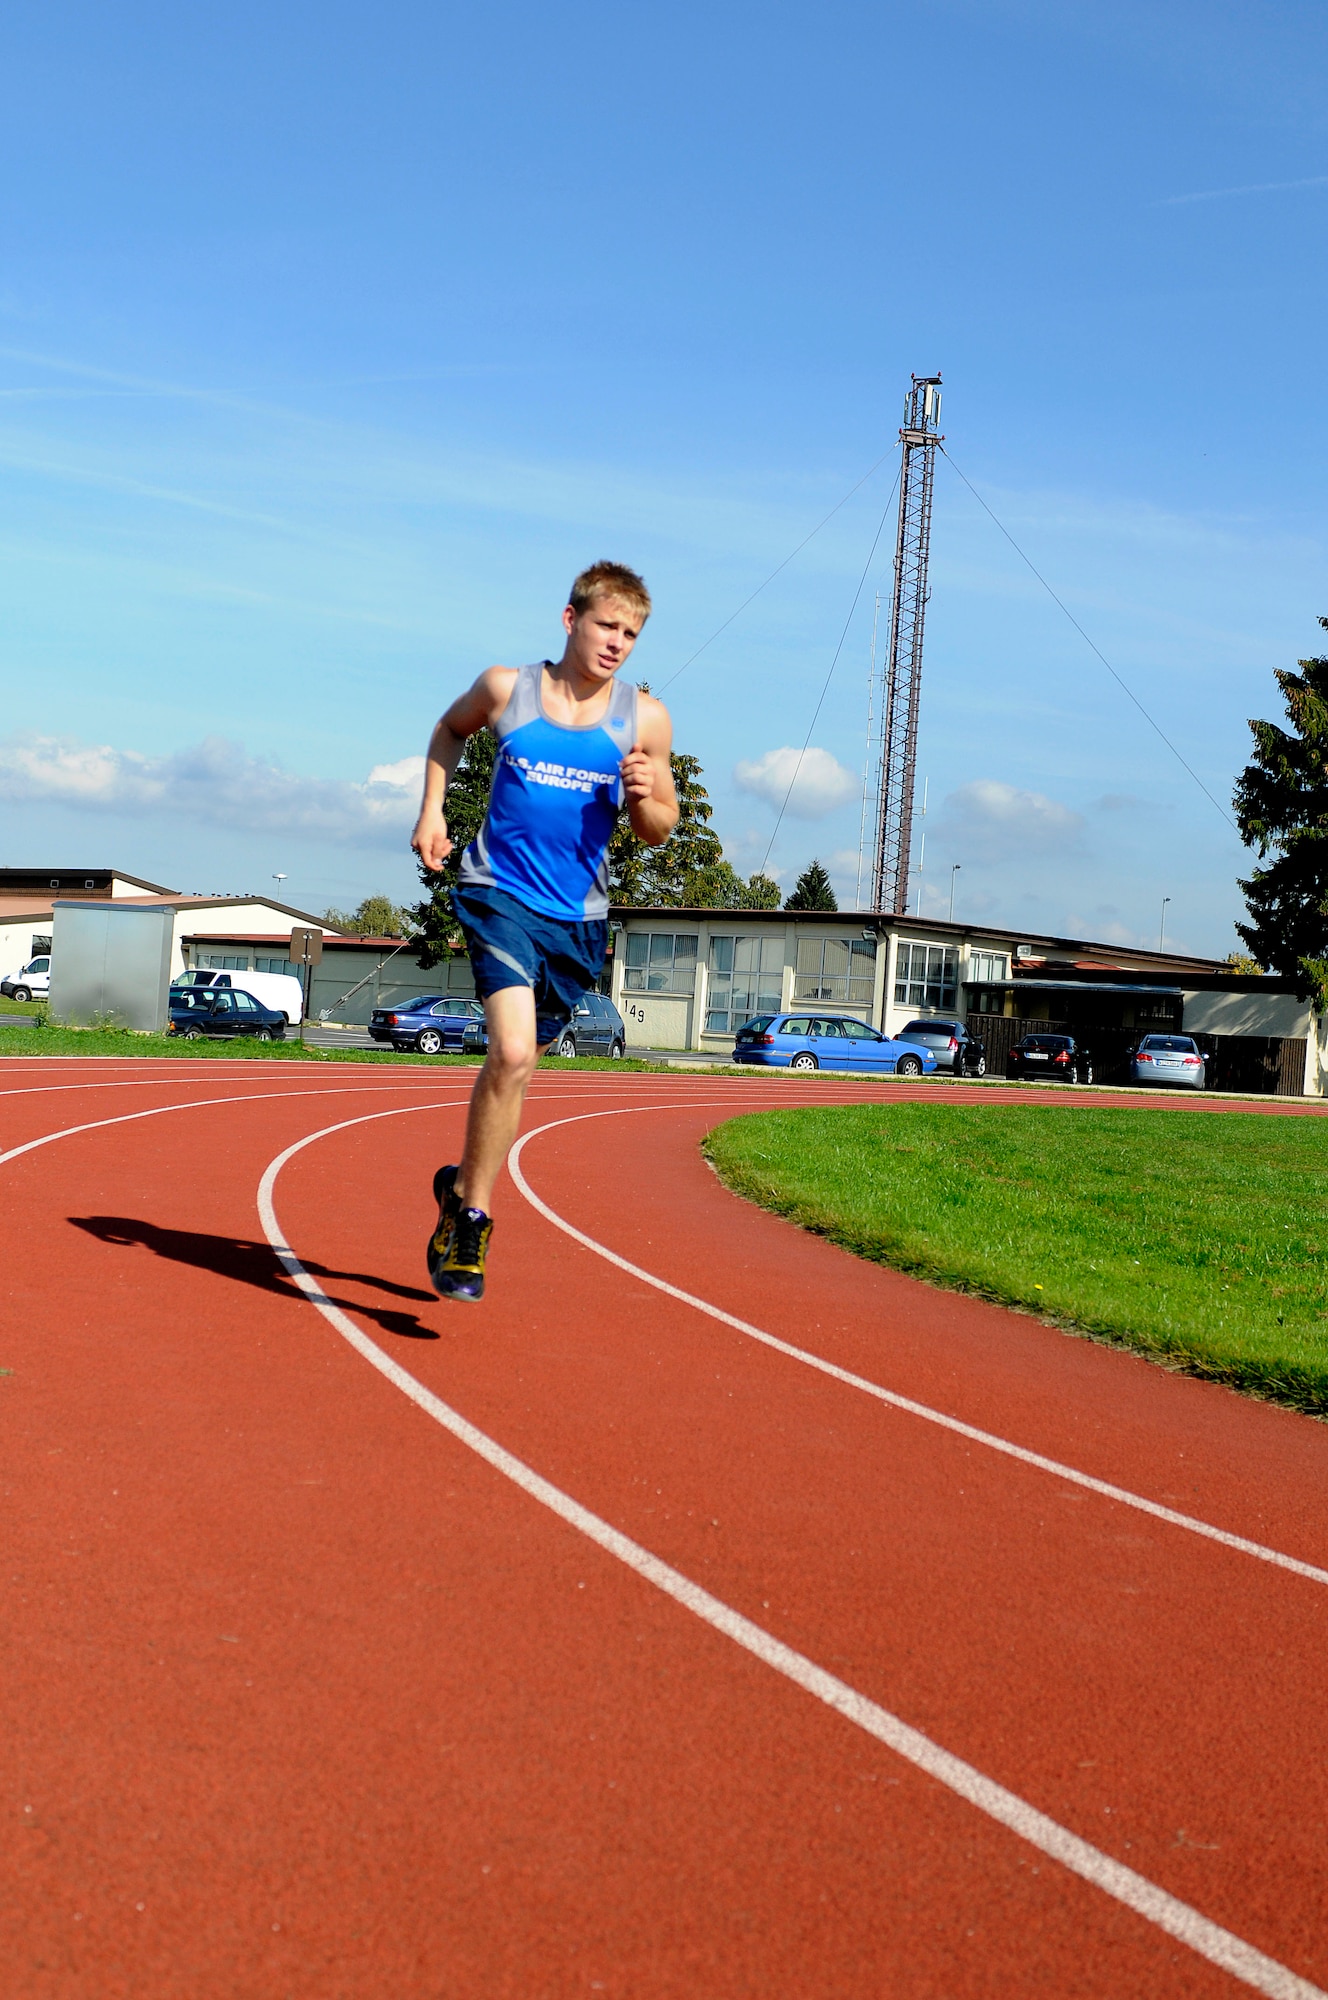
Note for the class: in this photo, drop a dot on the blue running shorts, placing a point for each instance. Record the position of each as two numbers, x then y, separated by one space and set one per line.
511 945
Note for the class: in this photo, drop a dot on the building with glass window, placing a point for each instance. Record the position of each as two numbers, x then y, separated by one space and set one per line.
687 979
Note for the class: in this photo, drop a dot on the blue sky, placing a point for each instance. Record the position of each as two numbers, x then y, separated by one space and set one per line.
333 341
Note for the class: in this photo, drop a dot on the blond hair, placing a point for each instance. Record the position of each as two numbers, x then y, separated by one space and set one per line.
609 579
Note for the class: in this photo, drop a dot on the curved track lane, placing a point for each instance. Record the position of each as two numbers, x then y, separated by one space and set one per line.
346 1711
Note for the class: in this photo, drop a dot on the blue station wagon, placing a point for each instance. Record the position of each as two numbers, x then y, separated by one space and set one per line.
827 1041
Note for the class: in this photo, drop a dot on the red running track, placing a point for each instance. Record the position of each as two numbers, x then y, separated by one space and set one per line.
676 1665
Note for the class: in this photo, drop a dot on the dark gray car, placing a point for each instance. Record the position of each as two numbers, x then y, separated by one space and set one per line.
951 1044
595 1029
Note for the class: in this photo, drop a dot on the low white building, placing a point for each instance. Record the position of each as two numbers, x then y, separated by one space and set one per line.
28 897
687 979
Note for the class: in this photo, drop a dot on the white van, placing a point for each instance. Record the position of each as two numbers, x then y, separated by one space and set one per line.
34 978
281 990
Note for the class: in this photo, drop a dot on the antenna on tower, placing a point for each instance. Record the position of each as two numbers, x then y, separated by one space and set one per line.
919 438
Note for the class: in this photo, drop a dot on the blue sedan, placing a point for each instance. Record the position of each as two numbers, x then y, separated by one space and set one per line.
430 1023
827 1041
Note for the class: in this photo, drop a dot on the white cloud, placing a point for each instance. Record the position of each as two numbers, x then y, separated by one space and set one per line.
216 781
821 783
407 774
988 820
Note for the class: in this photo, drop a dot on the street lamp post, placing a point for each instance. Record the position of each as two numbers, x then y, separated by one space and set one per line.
953 872
1162 927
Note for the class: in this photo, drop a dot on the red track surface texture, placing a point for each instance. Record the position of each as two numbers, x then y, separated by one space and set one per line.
581 1643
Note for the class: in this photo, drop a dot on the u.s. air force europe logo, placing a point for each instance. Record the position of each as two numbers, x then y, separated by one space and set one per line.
564 777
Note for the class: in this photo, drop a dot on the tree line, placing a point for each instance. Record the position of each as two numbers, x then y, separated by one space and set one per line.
688 872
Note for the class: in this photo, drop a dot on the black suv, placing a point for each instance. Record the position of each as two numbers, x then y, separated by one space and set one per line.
951 1044
218 1010
1058 1058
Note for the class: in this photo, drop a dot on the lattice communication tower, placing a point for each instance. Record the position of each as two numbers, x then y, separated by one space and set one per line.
918 437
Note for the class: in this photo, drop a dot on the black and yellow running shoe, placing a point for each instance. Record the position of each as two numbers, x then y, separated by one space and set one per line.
459 1272
444 1193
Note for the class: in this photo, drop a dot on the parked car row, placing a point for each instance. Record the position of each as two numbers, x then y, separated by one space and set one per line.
433 1023
810 1041
208 1003
1158 1059
281 990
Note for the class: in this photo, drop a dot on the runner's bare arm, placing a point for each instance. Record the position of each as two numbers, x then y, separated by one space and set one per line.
652 802
482 703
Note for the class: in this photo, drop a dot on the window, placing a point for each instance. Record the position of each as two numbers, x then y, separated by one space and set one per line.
660 962
746 974
858 1031
927 975
987 967
276 965
228 961
224 1004
245 1004
39 945
841 969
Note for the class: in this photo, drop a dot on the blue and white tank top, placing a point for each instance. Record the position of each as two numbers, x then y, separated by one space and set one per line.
554 801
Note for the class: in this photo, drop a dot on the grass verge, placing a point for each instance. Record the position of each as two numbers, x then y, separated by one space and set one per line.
128 1042
1199 1241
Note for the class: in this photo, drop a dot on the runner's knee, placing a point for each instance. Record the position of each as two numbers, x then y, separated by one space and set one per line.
512 1050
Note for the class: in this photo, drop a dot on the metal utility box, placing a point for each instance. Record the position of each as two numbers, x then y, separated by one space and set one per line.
111 962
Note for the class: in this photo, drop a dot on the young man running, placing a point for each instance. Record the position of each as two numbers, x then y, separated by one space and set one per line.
575 744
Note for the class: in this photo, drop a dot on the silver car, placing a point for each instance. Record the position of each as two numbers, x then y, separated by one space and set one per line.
1169 1059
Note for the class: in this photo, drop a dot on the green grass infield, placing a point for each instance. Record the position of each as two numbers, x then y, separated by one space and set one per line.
1199 1240
128 1042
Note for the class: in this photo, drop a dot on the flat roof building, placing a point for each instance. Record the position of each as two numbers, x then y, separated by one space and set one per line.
687 979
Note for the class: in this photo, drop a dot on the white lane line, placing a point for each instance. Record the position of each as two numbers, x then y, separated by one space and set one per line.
929 1415
1136 1892
196 1104
327 1089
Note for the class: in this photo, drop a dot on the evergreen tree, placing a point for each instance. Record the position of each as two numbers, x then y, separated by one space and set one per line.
1281 802
464 809
813 891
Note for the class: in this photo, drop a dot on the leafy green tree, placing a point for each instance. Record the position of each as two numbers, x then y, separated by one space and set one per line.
1240 961
467 798
1281 802
760 892
377 916
812 890
644 875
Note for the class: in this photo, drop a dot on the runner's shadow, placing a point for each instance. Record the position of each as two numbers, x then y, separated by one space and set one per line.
252 1263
